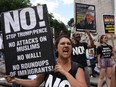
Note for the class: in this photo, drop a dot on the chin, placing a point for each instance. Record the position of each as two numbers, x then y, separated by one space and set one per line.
66 56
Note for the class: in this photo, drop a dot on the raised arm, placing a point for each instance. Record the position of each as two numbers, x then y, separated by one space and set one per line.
91 44
26 82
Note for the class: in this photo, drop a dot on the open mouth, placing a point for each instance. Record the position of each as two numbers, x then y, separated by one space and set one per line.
66 51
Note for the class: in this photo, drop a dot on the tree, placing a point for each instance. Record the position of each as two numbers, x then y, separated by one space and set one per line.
57 25
7 5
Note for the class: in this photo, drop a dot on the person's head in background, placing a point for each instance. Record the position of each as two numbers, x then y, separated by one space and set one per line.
63 47
77 37
91 52
61 32
103 39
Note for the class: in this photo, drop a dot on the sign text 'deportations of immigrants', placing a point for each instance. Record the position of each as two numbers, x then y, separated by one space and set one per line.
27 41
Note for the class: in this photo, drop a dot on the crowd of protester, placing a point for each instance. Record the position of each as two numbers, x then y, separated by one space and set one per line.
73 49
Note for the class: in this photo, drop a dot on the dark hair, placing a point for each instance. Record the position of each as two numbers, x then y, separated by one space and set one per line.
60 37
100 40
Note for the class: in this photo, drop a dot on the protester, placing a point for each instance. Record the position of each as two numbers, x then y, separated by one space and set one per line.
104 53
79 52
92 62
66 72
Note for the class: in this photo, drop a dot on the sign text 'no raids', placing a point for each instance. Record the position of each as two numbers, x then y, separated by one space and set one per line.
27 41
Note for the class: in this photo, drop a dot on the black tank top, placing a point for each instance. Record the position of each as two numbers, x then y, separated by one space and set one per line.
53 79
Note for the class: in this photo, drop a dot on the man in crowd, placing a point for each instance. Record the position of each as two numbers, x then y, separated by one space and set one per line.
79 52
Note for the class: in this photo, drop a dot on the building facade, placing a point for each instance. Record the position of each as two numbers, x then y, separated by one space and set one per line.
102 7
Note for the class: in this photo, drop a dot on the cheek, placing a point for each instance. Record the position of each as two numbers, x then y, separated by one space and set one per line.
71 50
105 40
59 48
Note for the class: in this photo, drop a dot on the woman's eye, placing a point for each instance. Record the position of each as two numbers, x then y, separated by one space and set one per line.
68 43
62 43
65 43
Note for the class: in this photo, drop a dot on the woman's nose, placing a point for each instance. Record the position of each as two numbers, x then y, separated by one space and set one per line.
66 44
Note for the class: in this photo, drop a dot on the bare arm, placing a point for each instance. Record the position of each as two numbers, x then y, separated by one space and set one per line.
114 54
91 44
98 57
79 81
26 82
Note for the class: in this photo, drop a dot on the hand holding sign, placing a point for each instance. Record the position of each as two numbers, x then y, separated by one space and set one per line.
26 35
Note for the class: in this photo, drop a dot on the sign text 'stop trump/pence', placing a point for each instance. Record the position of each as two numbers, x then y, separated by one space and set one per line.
27 41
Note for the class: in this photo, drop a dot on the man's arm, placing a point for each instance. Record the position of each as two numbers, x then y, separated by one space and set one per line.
91 44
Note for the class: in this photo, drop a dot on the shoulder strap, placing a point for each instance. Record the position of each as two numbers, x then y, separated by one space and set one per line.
75 67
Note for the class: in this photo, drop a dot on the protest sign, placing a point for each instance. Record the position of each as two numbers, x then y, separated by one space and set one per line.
85 17
27 41
1 41
108 23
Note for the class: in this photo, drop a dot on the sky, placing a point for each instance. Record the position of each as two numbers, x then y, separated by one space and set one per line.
63 10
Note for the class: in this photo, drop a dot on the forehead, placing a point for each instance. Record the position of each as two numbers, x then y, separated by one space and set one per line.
77 34
105 36
64 39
